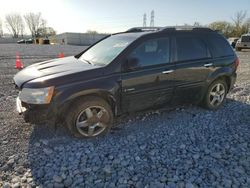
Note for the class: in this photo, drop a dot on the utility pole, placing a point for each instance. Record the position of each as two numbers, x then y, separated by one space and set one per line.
144 20
152 20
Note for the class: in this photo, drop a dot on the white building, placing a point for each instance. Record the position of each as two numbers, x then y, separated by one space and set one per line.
84 39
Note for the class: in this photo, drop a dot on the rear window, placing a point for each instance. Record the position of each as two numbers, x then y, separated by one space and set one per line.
219 46
245 39
190 48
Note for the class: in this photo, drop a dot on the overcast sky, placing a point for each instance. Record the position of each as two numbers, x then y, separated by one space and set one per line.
118 15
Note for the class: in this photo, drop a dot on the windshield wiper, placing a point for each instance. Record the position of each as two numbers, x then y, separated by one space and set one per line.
89 62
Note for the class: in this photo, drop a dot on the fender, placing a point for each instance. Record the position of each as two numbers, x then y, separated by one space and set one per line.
222 71
107 88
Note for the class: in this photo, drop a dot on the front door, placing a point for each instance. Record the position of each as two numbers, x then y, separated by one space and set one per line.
151 82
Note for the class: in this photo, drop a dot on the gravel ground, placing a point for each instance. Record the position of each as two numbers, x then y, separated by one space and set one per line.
171 147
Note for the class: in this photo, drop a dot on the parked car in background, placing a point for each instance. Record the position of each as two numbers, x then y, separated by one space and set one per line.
23 41
232 41
127 72
243 42
29 41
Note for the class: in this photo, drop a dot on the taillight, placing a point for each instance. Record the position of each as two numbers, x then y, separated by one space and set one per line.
237 62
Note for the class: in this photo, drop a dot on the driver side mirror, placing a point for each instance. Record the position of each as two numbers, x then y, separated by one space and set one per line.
132 63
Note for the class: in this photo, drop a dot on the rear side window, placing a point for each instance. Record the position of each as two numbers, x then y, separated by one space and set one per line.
190 48
219 46
245 39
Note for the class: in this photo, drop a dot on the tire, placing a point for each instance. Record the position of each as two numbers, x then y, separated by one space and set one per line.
233 45
89 117
215 95
238 49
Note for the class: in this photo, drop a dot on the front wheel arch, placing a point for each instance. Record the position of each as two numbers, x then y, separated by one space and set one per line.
78 105
108 97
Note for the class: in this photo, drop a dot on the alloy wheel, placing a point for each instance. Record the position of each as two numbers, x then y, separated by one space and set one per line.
92 121
217 94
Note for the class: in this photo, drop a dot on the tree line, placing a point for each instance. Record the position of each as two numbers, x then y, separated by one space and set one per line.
17 24
239 25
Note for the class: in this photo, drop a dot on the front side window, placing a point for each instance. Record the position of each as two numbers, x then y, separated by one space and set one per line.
152 52
108 49
190 48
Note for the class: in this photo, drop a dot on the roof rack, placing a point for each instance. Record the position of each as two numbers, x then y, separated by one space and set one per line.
141 29
169 28
186 28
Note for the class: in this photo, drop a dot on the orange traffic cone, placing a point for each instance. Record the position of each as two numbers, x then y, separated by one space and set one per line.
19 64
61 55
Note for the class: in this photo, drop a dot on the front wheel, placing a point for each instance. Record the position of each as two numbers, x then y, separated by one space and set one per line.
215 95
89 117
238 49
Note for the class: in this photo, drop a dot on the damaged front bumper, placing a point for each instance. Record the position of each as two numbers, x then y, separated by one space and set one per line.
36 114
20 109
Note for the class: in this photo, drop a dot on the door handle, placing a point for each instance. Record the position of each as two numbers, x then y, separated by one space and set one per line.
208 65
167 72
129 89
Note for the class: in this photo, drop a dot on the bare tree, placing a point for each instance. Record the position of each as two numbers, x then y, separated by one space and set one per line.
239 18
34 22
238 21
1 29
14 23
246 26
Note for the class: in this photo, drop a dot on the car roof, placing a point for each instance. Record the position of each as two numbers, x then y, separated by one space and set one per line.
140 31
246 35
131 34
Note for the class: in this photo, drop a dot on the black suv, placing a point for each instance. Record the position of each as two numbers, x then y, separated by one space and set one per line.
127 72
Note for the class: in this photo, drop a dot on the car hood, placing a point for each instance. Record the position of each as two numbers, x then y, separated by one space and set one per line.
51 69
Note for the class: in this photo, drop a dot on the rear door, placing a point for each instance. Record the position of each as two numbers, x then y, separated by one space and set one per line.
193 65
151 83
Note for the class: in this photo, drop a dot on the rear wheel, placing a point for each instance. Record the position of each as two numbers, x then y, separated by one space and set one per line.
89 117
215 95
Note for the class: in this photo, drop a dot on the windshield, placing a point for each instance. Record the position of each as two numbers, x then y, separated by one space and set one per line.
108 49
245 39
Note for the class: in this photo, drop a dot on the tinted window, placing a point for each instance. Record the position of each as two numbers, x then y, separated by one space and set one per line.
190 48
152 52
219 46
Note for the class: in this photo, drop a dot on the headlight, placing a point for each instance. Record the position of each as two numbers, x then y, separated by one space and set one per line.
37 96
